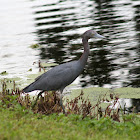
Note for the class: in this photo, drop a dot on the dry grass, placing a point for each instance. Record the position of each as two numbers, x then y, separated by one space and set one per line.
50 103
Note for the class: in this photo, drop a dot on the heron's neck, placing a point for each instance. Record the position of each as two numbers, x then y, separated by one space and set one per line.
84 57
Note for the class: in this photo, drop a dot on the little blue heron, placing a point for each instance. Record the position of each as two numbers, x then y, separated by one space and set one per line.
62 75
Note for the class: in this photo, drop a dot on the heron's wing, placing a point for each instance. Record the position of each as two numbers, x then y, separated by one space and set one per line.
37 78
56 78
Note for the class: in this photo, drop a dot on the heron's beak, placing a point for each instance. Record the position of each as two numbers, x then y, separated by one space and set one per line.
99 36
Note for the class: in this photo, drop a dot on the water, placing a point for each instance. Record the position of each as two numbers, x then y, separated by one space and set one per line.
16 35
57 25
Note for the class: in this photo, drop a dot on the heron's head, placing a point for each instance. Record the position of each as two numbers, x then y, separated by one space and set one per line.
91 34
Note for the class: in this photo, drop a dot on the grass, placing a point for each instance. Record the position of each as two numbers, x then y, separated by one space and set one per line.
20 124
18 121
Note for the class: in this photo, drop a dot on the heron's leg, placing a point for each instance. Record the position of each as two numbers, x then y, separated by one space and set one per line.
61 103
37 99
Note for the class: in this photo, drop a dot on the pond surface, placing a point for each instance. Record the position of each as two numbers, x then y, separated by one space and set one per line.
57 26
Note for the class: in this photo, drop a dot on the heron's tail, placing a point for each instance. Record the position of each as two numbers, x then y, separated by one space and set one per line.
29 88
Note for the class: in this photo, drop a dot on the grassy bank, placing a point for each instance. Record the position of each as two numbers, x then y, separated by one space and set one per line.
20 124
18 121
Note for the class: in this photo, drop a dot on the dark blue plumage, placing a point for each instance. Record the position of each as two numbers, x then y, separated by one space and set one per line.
57 78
